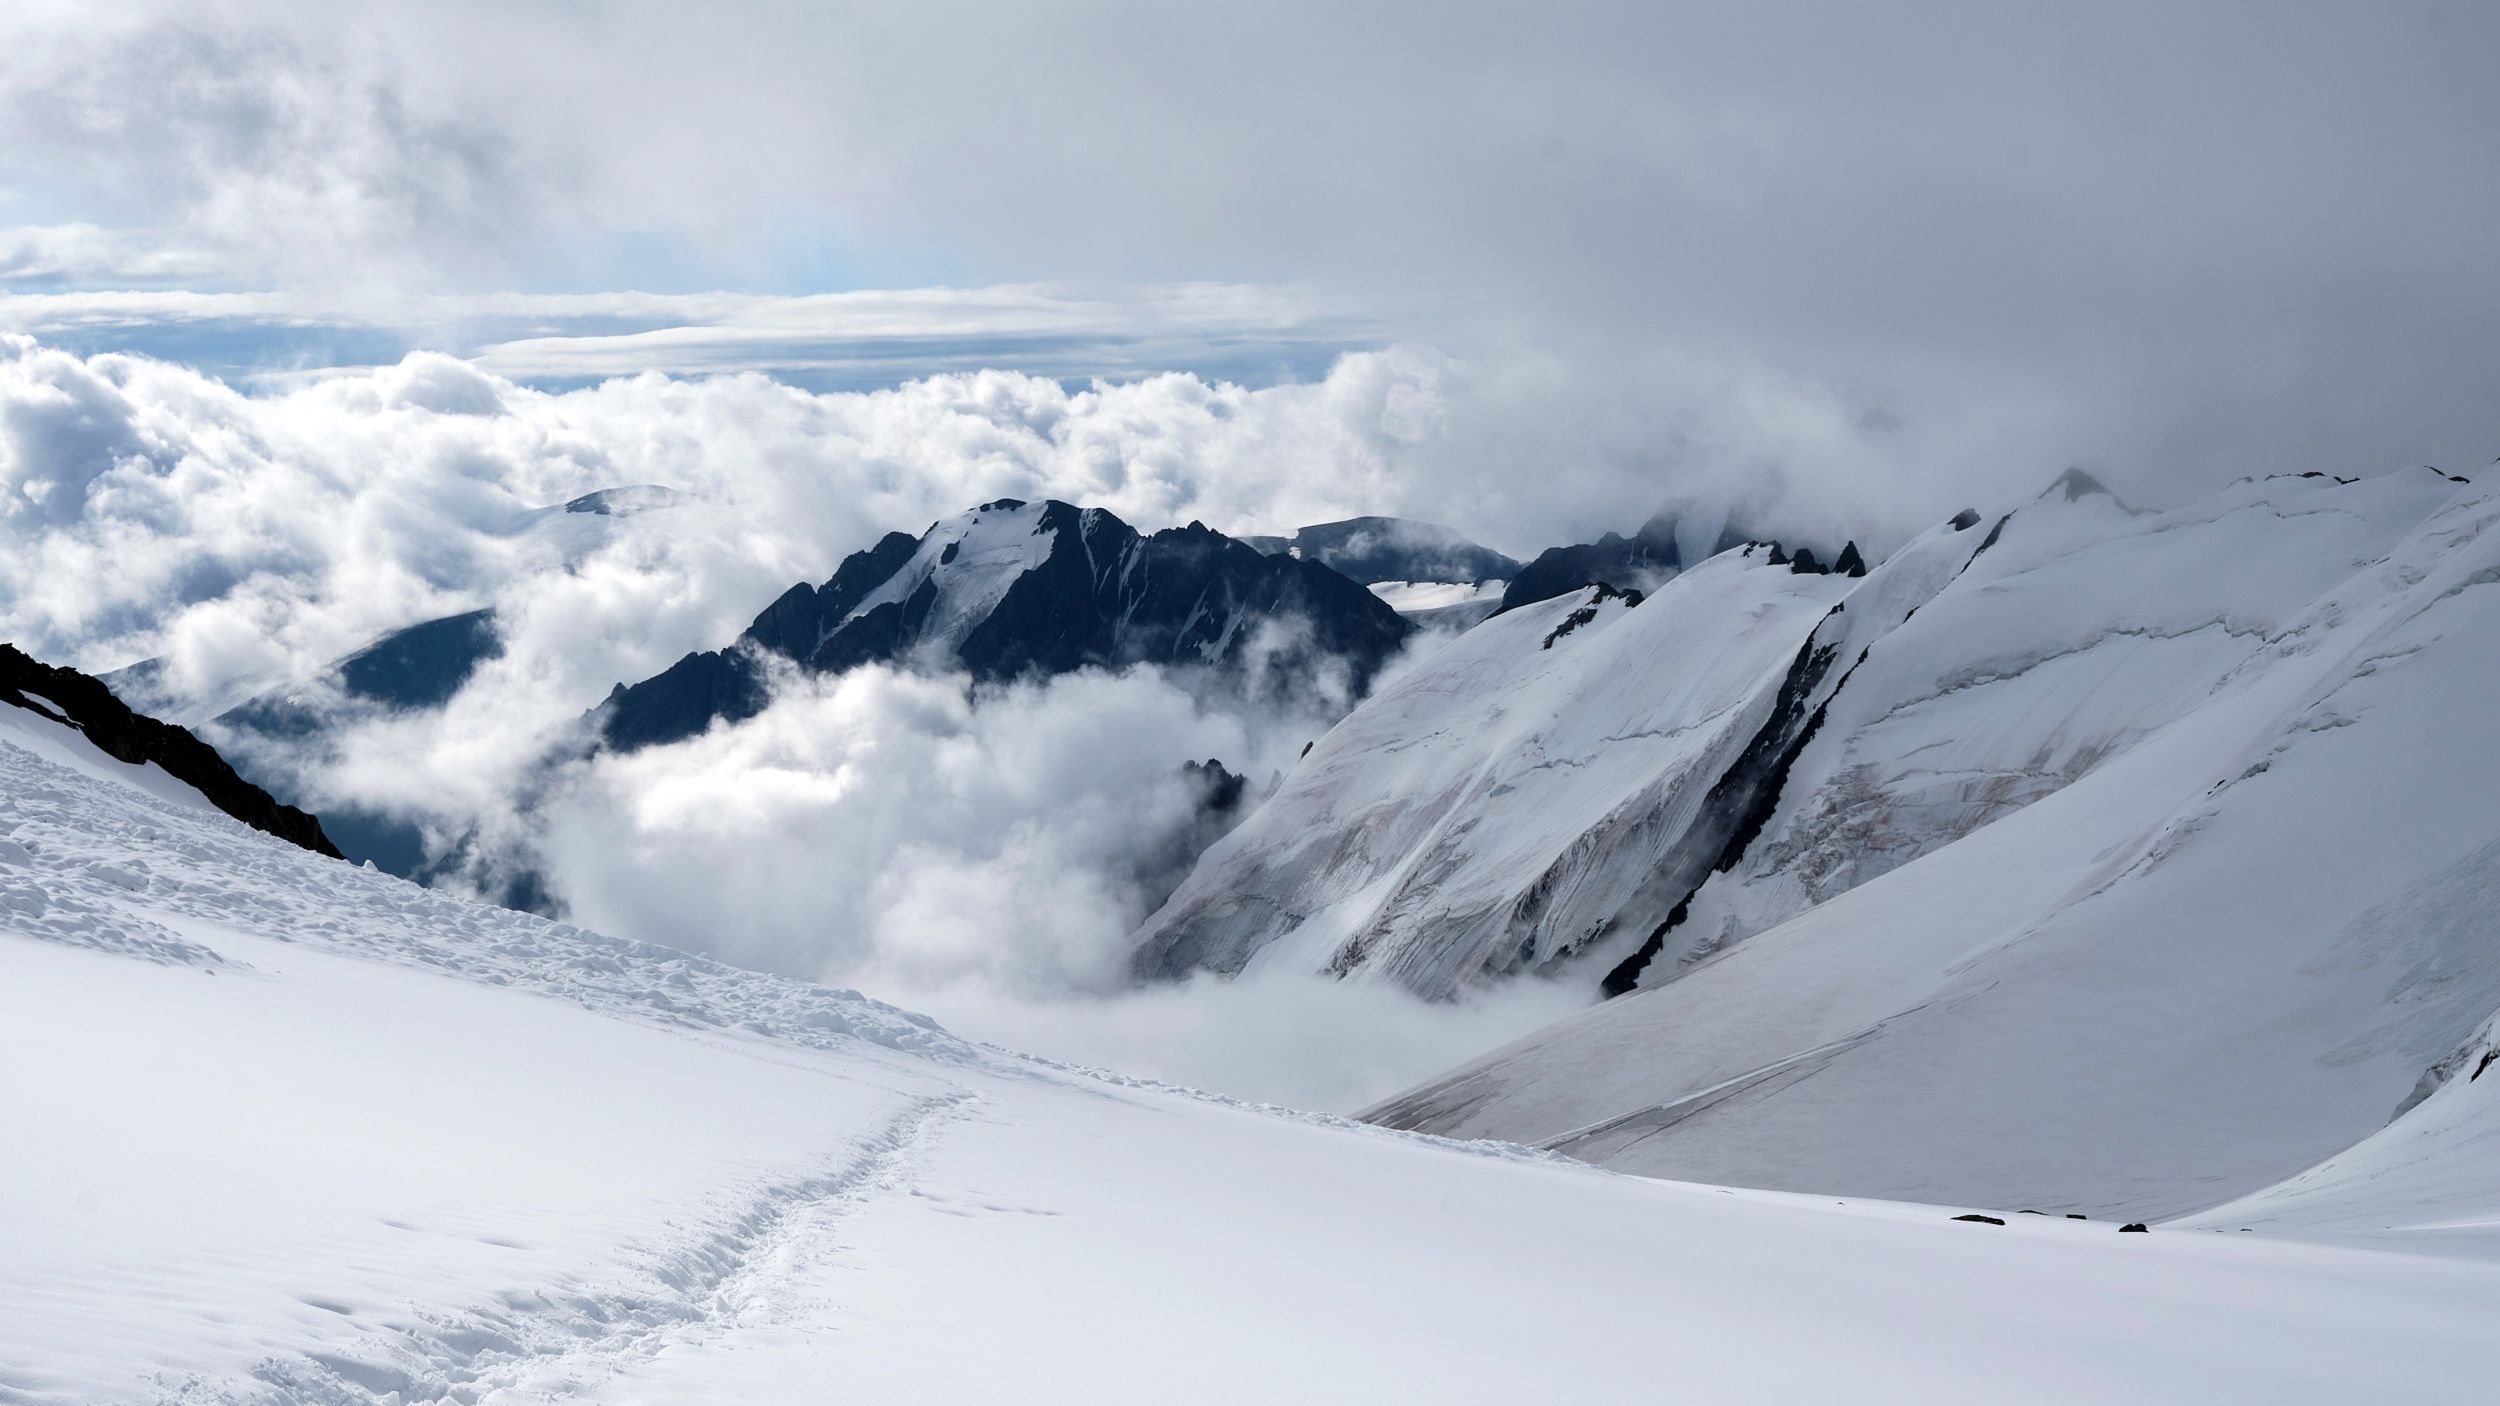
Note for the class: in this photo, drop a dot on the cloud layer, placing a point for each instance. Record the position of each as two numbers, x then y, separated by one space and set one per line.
2169 244
981 854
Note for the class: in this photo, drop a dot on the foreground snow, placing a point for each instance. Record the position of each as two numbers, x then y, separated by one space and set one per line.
282 1130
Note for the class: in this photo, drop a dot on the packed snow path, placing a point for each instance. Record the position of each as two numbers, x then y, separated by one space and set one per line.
279 1130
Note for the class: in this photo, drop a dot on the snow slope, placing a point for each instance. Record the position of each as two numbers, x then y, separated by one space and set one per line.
1499 807
285 1131
2083 629
56 741
2422 1184
2253 897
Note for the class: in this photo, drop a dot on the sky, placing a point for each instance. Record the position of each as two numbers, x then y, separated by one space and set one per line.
305 310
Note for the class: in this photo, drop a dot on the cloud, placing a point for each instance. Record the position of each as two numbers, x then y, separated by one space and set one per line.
69 254
828 341
266 157
900 829
983 855
149 509
2171 247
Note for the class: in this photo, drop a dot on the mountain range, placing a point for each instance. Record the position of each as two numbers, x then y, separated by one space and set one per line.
2085 855
2088 858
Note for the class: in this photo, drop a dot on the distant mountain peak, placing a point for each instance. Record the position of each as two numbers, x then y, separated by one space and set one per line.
1375 549
1014 589
2075 485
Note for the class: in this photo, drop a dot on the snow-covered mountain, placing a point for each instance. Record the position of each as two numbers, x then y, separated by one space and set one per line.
2130 863
1012 589
1503 805
282 1130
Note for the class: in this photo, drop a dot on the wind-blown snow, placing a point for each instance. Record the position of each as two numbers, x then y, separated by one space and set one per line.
338 1139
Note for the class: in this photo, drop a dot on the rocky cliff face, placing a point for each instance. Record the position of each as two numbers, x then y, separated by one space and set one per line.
76 700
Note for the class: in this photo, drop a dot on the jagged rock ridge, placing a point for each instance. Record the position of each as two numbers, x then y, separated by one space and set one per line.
77 700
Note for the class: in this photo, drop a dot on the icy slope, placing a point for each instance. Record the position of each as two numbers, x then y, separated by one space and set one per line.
2226 952
1501 805
2082 629
329 1138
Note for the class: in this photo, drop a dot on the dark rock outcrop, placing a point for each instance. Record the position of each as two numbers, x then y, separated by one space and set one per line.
1219 790
1598 595
423 665
418 667
79 701
1612 560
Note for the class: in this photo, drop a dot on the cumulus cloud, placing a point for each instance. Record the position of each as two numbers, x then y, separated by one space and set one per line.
150 510
983 855
901 829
